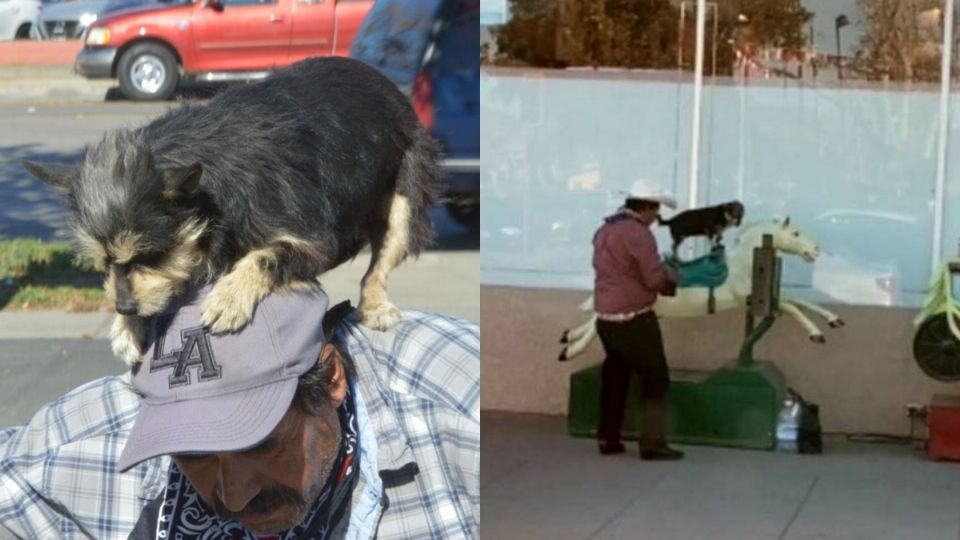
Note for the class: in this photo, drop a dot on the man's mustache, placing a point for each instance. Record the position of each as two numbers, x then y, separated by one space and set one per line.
265 501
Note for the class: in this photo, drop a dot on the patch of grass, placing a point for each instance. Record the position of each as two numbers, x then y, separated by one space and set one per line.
26 257
36 274
63 297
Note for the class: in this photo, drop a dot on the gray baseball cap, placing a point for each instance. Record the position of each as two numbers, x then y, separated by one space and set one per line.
204 392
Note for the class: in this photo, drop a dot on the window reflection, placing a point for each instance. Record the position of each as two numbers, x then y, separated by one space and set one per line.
823 110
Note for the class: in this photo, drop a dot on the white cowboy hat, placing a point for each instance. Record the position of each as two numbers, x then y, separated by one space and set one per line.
643 190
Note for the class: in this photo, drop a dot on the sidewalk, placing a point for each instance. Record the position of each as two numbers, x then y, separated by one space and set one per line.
53 324
31 84
537 482
444 282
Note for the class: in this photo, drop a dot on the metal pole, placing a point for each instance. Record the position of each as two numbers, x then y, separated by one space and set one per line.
683 20
836 25
946 62
742 150
716 30
697 105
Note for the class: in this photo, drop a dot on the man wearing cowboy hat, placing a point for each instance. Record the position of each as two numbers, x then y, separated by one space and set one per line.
629 276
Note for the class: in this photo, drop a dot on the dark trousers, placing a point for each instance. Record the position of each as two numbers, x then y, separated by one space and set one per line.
634 346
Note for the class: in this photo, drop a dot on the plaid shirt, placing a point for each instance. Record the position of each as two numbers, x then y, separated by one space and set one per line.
418 408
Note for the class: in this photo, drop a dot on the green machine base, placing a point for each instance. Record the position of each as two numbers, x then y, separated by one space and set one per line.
734 406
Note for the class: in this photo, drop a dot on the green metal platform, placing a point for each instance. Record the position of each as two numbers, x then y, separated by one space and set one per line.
733 406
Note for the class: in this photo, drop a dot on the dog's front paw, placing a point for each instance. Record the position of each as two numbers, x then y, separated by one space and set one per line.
125 340
379 316
228 307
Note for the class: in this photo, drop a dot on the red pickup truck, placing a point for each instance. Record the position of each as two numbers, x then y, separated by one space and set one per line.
150 49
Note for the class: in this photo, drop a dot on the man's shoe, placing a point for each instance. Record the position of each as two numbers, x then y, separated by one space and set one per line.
607 449
661 454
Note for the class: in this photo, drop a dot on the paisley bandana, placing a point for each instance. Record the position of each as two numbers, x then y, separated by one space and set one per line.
184 515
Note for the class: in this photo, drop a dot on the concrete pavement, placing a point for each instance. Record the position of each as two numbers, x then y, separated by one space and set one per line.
446 282
537 482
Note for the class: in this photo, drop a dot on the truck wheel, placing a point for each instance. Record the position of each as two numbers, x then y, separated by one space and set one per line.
148 72
23 32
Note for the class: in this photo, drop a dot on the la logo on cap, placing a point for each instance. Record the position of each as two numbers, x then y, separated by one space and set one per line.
195 351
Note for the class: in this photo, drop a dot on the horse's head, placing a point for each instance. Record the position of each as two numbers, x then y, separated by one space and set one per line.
789 239
786 238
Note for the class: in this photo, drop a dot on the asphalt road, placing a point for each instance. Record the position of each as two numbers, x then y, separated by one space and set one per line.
35 371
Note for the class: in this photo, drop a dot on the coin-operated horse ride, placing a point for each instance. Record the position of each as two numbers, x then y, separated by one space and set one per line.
737 405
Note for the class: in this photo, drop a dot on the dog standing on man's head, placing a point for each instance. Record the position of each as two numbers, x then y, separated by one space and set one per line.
710 222
267 186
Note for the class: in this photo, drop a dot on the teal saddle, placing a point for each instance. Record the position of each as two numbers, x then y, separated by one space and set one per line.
708 271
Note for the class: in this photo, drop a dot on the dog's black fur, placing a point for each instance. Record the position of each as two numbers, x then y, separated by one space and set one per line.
710 221
305 163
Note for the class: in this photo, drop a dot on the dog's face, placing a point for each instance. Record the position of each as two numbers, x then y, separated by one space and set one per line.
134 220
734 213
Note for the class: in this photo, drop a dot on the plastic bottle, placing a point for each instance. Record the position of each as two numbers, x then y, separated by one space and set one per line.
787 422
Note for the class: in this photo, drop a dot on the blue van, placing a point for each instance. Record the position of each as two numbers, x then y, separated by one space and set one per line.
431 50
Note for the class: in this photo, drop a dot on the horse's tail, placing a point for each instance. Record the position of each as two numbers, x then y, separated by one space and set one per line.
575 333
578 339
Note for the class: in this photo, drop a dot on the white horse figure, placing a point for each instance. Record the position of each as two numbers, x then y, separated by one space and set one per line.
732 294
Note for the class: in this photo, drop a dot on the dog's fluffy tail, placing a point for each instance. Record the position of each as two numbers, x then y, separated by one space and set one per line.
419 181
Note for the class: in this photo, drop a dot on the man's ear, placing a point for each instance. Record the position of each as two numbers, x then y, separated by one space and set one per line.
57 175
182 181
337 383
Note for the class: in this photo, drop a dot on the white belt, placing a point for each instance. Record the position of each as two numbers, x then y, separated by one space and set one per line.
622 317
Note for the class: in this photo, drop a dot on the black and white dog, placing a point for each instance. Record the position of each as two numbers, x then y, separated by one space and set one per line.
266 187
710 222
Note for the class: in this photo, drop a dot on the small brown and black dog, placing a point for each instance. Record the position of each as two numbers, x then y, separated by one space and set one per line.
710 222
266 187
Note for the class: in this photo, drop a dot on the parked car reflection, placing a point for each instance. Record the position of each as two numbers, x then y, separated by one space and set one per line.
869 269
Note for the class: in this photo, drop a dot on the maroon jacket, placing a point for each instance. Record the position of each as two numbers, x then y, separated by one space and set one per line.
628 271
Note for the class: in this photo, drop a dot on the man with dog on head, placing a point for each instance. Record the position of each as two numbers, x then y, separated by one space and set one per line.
629 276
304 424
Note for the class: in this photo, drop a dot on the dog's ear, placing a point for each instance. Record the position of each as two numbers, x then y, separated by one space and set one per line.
57 175
182 181
786 222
